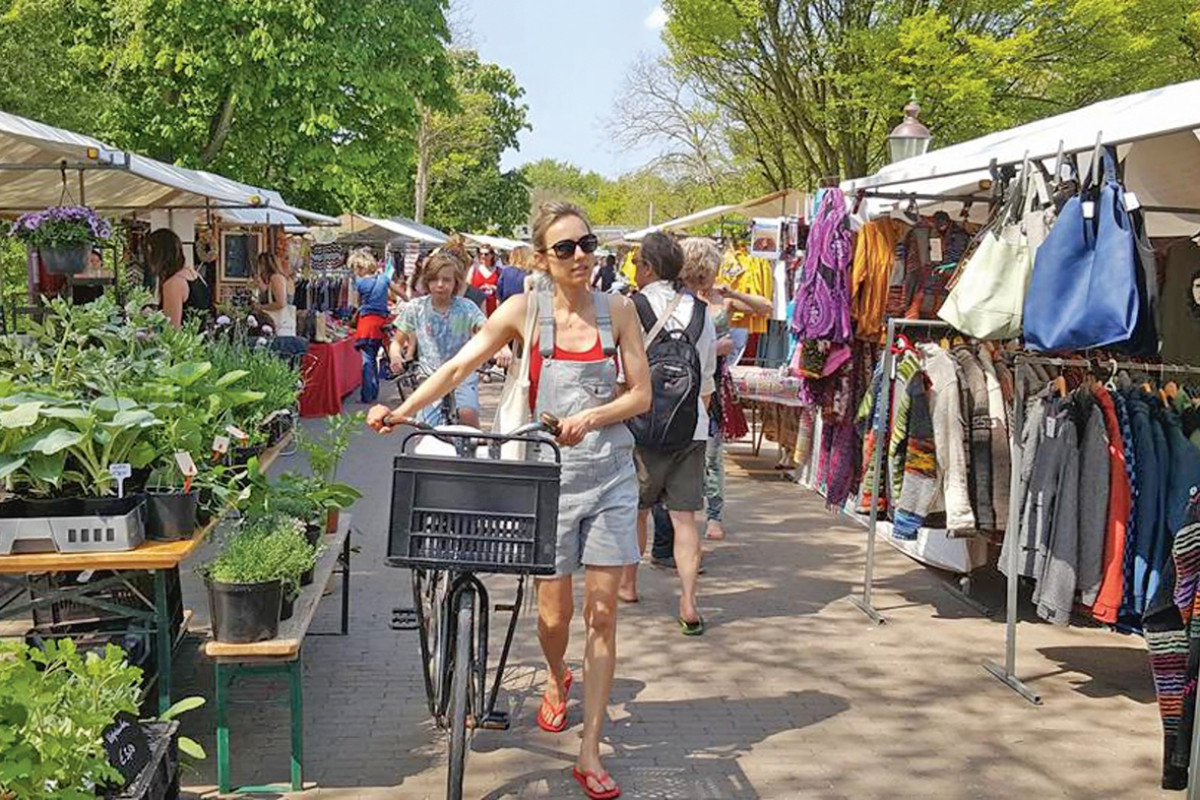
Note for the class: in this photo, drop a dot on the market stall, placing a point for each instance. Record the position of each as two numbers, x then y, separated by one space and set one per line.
998 362
331 372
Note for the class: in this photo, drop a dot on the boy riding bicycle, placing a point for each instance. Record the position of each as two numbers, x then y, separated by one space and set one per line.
438 325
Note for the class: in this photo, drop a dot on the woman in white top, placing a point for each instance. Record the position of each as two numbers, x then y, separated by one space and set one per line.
164 258
275 278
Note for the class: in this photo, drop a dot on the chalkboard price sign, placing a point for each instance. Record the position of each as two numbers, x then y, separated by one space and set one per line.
127 745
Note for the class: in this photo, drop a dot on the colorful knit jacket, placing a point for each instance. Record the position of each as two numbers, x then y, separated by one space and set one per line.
920 464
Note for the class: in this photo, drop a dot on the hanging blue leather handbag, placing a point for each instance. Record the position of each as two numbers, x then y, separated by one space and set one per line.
1084 290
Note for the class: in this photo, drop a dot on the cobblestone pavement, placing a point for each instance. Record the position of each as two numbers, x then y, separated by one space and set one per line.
791 694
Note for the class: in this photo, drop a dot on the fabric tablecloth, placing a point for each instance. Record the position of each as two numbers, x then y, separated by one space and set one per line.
331 371
765 385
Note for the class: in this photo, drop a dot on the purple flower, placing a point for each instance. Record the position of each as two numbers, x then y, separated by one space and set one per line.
61 226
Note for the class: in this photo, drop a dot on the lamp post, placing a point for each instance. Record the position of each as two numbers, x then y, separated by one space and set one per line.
910 138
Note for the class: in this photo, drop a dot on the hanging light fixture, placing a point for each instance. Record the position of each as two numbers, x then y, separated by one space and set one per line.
910 138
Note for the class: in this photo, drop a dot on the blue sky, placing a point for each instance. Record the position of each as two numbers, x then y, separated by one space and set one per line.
571 57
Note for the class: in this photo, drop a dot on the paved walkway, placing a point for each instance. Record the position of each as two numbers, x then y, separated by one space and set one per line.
791 694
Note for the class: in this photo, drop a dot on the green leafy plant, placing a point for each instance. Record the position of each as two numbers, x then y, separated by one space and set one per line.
325 451
54 706
268 548
188 746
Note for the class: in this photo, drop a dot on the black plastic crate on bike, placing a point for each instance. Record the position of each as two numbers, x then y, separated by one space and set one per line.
475 515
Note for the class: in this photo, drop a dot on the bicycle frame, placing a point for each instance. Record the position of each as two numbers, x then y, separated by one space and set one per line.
466 585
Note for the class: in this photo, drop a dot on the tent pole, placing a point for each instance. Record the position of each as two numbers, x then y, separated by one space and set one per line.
1006 674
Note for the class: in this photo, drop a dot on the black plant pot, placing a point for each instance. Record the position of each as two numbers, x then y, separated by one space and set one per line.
313 531
108 506
287 607
242 455
36 507
306 577
13 508
171 515
65 260
243 613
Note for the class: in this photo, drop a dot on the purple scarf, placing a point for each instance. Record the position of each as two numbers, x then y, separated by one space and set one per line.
822 308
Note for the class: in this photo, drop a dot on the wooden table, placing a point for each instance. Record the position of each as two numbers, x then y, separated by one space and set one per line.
281 655
158 558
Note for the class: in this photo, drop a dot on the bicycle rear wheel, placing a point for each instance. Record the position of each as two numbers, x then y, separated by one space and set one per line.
460 690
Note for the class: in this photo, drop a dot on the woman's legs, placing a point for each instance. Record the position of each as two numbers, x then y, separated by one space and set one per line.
556 606
714 485
599 663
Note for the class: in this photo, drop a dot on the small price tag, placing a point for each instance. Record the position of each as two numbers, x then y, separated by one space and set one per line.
120 472
126 745
1089 209
935 250
238 433
220 445
186 465
1131 202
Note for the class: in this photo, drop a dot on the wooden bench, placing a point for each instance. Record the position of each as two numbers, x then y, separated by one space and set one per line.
281 655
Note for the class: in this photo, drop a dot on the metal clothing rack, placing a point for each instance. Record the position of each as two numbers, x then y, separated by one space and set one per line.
1006 673
882 428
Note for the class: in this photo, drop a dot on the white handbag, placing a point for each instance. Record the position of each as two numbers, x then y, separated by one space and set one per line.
514 411
987 300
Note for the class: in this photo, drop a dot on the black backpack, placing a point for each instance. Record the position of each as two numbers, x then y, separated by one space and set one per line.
670 424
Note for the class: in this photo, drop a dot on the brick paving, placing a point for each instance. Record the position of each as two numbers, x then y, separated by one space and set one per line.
791 694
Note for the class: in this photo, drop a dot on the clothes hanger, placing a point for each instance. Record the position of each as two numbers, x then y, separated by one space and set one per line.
1111 383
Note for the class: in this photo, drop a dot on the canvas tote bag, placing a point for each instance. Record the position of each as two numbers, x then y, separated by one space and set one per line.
988 298
514 411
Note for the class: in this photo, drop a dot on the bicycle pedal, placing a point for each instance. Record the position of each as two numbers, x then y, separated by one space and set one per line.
506 607
404 619
496 721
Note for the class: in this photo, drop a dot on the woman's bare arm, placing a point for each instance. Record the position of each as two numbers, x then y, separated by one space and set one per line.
276 294
501 327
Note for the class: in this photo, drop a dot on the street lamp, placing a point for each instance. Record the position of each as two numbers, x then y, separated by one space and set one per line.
910 138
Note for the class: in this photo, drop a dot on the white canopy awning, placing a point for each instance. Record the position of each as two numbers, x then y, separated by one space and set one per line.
1155 131
360 225
43 166
495 242
775 204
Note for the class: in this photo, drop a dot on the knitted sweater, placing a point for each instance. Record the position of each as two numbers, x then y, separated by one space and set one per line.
998 429
949 434
920 464
906 370
973 382
1055 504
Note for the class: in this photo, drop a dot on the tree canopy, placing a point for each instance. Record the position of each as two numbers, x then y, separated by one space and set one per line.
812 87
319 100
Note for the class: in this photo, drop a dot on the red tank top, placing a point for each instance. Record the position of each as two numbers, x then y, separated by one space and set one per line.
596 353
480 281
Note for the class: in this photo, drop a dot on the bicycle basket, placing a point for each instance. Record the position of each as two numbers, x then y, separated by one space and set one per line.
474 515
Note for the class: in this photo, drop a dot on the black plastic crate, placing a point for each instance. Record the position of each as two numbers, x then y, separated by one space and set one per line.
68 610
474 515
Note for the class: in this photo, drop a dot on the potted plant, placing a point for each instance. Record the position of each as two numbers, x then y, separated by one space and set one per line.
325 454
247 580
62 236
171 512
55 704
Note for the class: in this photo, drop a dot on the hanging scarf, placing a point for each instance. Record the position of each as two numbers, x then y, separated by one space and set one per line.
823 301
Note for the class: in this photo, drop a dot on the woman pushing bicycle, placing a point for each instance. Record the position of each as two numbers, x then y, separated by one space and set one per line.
574 376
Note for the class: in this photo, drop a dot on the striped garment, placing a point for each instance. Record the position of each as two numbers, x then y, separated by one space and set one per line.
1127 612
906 369
866 420
920 464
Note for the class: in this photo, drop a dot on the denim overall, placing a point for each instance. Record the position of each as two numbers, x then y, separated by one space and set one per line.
597 509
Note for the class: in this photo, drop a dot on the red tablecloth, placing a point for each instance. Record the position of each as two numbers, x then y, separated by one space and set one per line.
331 371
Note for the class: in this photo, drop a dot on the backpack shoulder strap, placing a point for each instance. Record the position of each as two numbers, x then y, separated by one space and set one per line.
696 323
604 323
644 311
546 326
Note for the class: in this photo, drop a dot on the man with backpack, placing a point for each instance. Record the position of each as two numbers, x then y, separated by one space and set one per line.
671 437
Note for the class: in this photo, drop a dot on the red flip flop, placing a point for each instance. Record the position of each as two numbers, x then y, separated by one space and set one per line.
548 713
583 778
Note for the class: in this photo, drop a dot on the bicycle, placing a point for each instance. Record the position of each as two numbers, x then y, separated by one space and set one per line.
454 517
414 374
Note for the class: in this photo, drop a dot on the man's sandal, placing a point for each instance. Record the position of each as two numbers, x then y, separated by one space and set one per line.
603 794
547 713
692 628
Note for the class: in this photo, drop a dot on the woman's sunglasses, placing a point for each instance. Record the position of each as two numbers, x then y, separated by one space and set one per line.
566 248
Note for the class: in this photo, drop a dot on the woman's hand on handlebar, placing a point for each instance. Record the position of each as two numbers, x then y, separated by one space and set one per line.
572 429
384 420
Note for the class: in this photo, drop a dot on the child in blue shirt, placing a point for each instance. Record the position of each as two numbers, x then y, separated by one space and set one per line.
372 284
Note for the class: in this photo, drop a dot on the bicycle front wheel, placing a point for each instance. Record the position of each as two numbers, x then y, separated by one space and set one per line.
460 690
